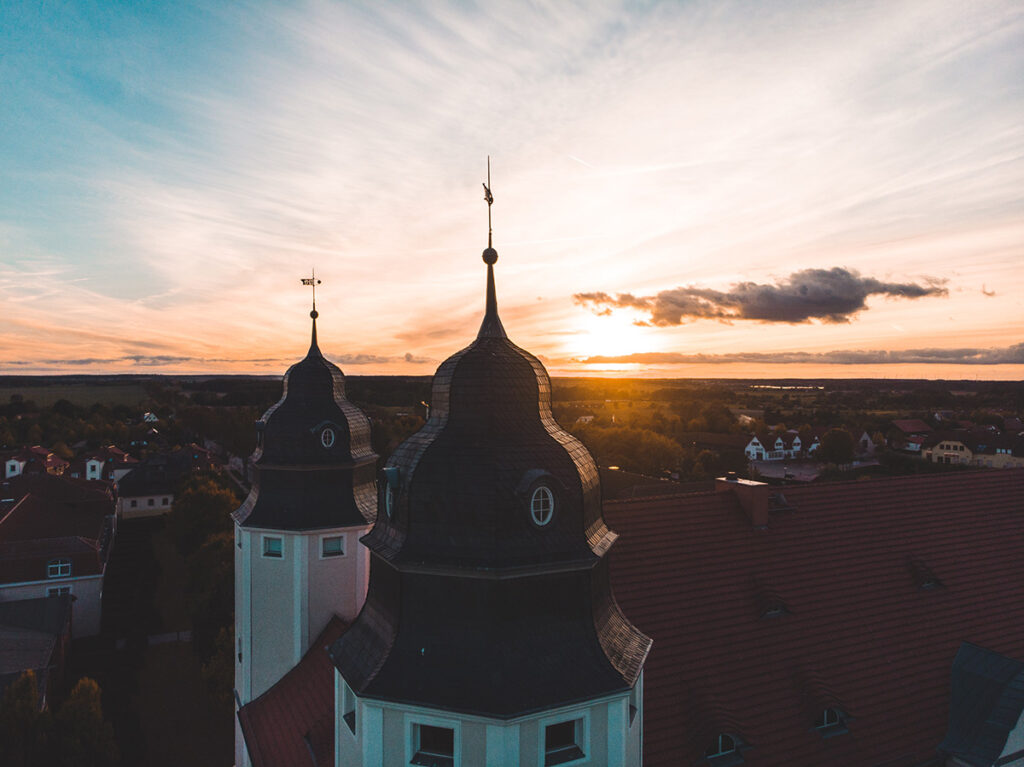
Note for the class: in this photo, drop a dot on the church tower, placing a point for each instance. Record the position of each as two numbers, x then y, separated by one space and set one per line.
490 635
297 555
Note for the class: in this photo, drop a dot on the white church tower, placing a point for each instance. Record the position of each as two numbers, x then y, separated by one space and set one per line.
490 636
298 560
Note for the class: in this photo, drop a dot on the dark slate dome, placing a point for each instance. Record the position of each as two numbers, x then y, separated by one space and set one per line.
489 590
462 488
314 463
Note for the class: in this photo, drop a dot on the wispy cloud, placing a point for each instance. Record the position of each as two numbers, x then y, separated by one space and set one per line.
1010 355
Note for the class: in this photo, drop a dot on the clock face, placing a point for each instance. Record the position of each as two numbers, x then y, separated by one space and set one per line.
327 437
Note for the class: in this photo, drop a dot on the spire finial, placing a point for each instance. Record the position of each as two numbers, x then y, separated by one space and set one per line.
491 326
312 282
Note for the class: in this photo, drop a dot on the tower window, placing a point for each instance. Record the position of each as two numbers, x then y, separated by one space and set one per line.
332 546
435 746
542 506
273 547
562 742
327 437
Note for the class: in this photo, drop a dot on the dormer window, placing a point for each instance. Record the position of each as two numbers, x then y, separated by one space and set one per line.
724 750
58 568
542 505
327 437
830 722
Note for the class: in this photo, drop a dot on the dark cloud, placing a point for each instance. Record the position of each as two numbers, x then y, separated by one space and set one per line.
410 357
826 295
1010 355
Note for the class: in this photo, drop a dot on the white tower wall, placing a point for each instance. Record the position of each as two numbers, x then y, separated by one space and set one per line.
609 733
283 603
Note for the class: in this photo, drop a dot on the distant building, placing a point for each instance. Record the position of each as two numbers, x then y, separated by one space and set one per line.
147 490
107 463
55 534
774 446
33 459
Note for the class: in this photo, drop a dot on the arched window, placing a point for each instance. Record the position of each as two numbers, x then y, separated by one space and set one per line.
723 744
828 719
542 505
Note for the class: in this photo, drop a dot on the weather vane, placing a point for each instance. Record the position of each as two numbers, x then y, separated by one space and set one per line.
312 282
489 198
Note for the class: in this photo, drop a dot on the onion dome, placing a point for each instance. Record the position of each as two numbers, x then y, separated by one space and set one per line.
314 464
489 590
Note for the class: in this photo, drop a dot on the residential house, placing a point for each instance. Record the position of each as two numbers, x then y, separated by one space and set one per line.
774 446
148 489
33 459
948 447
909 434
55 535
107 463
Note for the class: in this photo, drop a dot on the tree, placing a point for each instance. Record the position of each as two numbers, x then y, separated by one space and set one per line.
211 591
219 671
83 737
201 508
25 731
836 447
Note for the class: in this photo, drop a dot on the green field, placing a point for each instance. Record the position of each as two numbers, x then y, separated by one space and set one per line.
83 394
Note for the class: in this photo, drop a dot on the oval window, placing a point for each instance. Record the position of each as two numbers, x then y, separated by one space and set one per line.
327 437
542 505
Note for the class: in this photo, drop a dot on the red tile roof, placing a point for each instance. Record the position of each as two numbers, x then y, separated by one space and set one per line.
292 723
858 633
912 426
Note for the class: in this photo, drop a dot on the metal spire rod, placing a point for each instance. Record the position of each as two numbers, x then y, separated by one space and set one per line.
312 282
490 201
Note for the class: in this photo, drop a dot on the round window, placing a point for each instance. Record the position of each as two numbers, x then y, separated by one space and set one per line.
542 505
327 437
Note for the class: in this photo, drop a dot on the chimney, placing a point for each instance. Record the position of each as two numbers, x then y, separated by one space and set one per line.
753 496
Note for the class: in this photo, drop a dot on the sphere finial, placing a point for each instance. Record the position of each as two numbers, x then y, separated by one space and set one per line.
314 314
490 256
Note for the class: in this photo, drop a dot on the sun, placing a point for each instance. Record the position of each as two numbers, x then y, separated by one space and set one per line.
608 336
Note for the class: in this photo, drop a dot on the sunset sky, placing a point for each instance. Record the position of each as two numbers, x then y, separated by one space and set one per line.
705 188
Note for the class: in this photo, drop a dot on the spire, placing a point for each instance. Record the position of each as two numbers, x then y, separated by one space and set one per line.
313 282
491 326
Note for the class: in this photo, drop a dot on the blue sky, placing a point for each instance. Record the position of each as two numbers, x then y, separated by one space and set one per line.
172 169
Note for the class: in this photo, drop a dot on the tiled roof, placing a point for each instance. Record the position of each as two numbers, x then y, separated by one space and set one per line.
859 634
52 507
291 724
912 426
